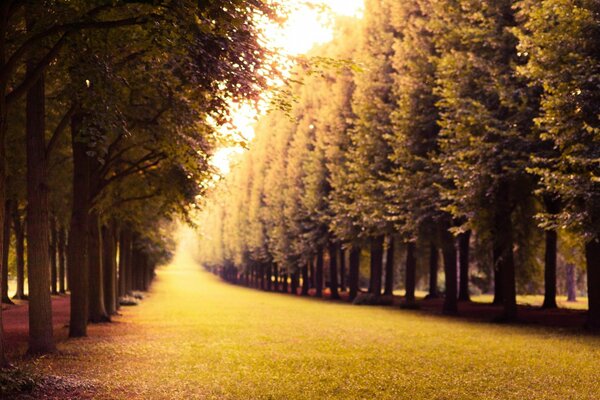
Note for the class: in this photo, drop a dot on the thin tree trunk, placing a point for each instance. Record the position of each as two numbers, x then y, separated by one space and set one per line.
276 277
62 243
19 251
354 272
449 255
342 269
376 264
5 250
503 253
333 280
433 271
97 312
319 273
77 258
124 254
109 269
294 283
285 283
463 258
592 257
305 284
550 271
411 273
131 260
389 267
41 339
53 255
313 276
571 283
269 276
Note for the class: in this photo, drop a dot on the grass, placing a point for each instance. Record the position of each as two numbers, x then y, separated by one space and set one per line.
196 337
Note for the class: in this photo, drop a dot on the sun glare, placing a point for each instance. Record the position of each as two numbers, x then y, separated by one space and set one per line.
310 23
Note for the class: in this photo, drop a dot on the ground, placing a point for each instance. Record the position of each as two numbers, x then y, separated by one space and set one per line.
196 337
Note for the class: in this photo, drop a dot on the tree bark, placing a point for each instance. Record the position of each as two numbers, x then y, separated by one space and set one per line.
550 271
389 267
333 273
41 339
463 258
19 251
503 252
285 283
433 271
109 268
62 243
313 276
4 251
376 264
79 232
411 273
342 269
305 284
97 312
571 283
269 276
449 255
319 273
354 272
294 283
53 254
124 255
592 257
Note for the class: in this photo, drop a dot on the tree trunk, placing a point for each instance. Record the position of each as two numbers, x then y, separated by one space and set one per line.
131 263
294 283
354 272
571 283
124 253
592 257
389 268
313 276
285 283
77 259
319 273
305 284
109 269
503 252
53 254
411 273
376 264
4 251
41 338
62 243
97 312
4 9
333 273
463 258
550 270
449 255
276 277
269 276
433 271
342 269
20 251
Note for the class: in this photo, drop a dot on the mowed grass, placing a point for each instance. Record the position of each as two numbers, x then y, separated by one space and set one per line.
196 337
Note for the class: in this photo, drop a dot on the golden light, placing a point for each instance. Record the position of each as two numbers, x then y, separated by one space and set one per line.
310 23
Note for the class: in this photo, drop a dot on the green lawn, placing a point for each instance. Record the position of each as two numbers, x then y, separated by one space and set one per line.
197 337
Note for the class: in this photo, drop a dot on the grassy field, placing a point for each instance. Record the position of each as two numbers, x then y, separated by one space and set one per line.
197 337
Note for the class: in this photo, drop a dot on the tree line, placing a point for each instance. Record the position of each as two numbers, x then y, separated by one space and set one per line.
108 119
457 132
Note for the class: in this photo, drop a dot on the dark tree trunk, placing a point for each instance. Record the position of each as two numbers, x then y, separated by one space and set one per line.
463 258
77 258
433 271
294 283
319 273
376 264
41 338
97 311
285 283
571 283
342 269
411 273
5 249
592 257
389 268
333 273
498 291
449 255
313 276
124 262
550 270
276 277
62 244
269 276
19 251
131 263
305 284
53 251
109 269
354 272
503 252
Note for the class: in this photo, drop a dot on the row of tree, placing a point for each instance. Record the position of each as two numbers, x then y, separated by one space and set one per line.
460 125
107 122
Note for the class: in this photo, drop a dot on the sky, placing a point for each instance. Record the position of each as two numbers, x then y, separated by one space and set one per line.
306 27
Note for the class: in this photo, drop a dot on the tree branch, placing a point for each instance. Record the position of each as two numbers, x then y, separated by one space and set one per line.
60 128
135 168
